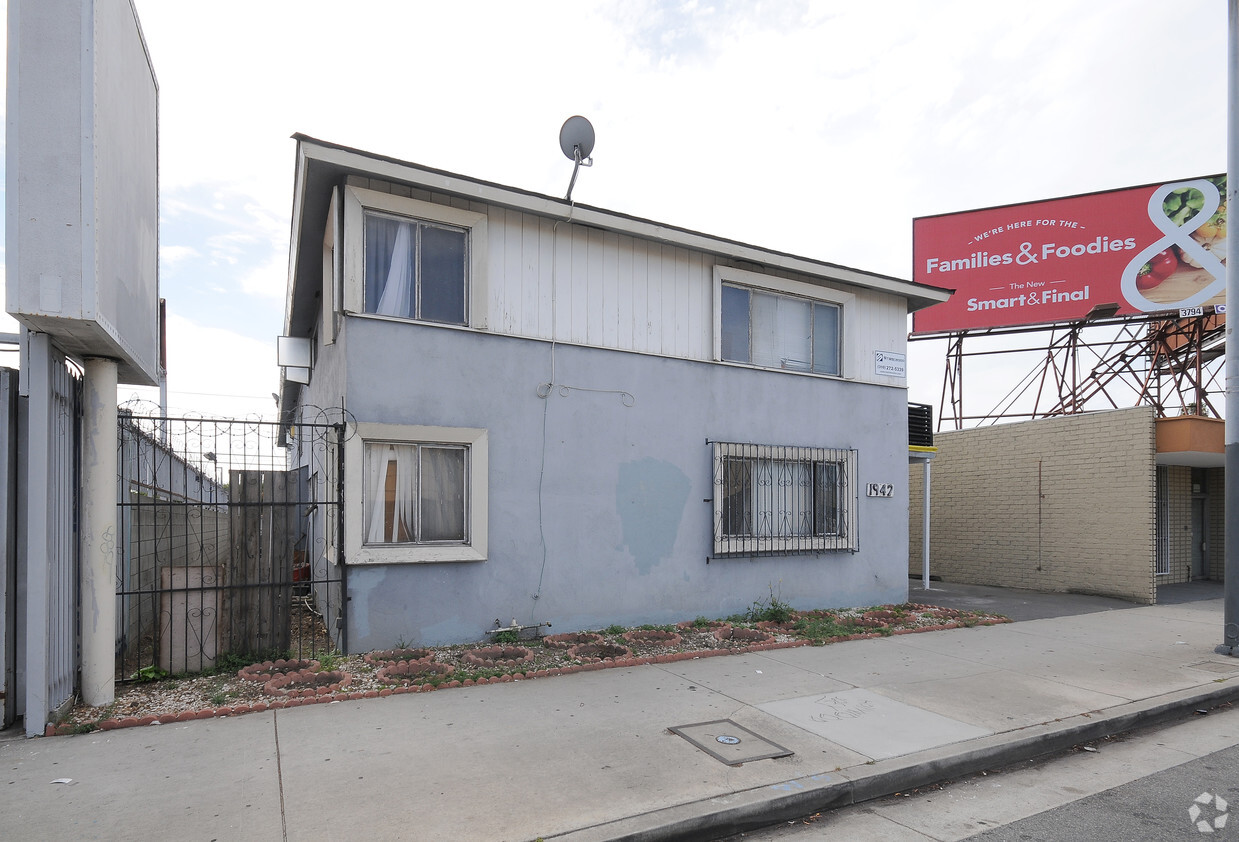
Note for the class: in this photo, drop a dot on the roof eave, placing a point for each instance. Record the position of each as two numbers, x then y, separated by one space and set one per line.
313 154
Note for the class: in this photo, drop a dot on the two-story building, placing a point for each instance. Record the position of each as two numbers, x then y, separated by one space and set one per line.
561 413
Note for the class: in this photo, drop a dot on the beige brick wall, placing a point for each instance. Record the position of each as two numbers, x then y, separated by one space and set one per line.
1061 504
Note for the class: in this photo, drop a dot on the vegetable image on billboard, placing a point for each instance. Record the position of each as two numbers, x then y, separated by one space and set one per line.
1187 266
1155 248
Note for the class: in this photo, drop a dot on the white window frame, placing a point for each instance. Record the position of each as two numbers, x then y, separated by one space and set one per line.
846 536
359 200
845 301
332 269
359 552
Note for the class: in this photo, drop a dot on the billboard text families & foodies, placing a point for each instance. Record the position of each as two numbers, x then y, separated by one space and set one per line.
1160 247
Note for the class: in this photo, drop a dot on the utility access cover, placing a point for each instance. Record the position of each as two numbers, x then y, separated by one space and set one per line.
729 742
1215 666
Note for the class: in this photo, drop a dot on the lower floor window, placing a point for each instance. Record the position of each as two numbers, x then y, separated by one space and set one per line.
774 500
417 493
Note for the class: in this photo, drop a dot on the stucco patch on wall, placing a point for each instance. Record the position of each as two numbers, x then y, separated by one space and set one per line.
649 497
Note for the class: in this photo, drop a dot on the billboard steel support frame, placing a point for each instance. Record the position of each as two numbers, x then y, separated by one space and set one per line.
1169 363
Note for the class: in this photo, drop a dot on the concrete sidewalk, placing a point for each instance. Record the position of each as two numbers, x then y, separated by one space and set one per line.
590 756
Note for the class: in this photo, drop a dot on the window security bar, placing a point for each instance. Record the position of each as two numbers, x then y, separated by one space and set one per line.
783 500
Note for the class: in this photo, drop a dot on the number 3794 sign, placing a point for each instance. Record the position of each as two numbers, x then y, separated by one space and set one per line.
880 489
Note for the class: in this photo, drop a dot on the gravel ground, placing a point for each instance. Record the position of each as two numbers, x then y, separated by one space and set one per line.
161 698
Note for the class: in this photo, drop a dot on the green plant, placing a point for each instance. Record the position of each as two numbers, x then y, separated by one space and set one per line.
329 661
822 629
506 636
614 629
700 622
770 610
218 699
149 673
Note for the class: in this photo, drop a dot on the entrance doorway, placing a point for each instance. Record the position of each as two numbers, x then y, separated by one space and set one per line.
1200 547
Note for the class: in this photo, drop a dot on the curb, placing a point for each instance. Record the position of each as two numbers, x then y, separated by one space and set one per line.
763 806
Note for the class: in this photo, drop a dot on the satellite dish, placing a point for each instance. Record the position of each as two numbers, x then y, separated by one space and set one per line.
576 138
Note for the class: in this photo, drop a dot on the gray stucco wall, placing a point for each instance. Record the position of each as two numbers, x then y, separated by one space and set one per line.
627 532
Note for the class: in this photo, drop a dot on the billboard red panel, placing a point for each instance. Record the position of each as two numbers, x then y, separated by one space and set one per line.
1146 249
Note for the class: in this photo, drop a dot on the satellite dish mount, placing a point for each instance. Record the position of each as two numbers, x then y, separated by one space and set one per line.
576 139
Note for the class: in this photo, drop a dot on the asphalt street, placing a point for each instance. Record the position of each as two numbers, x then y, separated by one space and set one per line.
1179 803
1135 787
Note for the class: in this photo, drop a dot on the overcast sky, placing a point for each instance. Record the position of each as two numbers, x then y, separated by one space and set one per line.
820 129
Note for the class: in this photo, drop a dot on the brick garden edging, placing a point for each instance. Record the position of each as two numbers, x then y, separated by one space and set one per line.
267 670
341 696
306 683
383 657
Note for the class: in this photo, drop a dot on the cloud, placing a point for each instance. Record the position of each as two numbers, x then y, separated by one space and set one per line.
214 372
176 254
819 129
240 254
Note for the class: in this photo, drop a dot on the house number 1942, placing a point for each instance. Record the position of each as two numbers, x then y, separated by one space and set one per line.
881 489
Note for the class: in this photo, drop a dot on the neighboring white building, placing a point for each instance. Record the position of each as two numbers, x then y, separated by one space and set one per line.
572 415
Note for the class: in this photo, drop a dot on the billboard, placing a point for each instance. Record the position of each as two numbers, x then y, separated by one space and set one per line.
1145 249
82 181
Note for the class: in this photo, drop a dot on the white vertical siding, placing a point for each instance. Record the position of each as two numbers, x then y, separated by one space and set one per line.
564 281
877 322
592 287
626 319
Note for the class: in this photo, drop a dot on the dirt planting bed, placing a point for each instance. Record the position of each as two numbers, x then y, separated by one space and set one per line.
406 670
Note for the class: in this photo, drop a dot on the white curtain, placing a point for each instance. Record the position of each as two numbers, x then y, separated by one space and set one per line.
782 332
443 494
783 498
397 297
381 457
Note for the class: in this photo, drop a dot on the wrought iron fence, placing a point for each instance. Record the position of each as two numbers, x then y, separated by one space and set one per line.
230 545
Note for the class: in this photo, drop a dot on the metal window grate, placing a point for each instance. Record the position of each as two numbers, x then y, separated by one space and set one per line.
783 500
1161 519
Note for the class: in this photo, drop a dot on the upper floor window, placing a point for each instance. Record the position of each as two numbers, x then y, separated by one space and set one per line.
410 259
416 269
779 331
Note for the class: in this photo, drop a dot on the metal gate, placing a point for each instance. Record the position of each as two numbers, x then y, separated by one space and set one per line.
229 544
48 505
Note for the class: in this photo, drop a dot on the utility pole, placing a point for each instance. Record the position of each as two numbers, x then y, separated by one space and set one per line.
1230 629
